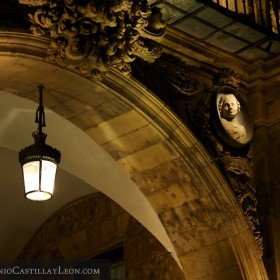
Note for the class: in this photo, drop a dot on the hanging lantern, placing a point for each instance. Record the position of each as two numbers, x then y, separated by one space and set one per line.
39 161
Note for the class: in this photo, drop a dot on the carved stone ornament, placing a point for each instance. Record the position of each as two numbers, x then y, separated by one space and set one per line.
233 123
92 36
227 77
168 77
231 115
182 81
227 144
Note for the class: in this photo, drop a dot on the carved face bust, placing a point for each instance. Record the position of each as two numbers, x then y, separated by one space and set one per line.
229 107
233 123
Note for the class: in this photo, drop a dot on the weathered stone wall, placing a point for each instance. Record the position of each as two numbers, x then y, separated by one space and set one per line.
265 104
145 257
95 224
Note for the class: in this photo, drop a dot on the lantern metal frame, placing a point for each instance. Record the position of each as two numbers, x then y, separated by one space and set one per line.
39 152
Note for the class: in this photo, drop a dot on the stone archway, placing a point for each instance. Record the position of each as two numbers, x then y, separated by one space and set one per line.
172 170
94 224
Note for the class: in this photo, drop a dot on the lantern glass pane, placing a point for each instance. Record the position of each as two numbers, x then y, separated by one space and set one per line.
31 174
48 176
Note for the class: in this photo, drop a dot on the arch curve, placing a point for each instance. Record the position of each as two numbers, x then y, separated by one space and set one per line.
172 170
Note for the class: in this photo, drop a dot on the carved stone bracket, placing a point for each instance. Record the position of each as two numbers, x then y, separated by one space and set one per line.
92 36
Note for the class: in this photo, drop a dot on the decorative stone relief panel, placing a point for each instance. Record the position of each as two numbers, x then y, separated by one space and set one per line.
229 132
93 36
227 137
173 82
232 121
218 115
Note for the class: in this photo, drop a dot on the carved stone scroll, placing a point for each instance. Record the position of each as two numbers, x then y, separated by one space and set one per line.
92 36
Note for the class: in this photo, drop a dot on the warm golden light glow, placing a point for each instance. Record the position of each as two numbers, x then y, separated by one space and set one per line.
39 177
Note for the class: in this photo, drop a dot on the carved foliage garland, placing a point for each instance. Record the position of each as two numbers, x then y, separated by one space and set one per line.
94 35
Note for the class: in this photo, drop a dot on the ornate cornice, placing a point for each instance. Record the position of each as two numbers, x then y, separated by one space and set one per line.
94 36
